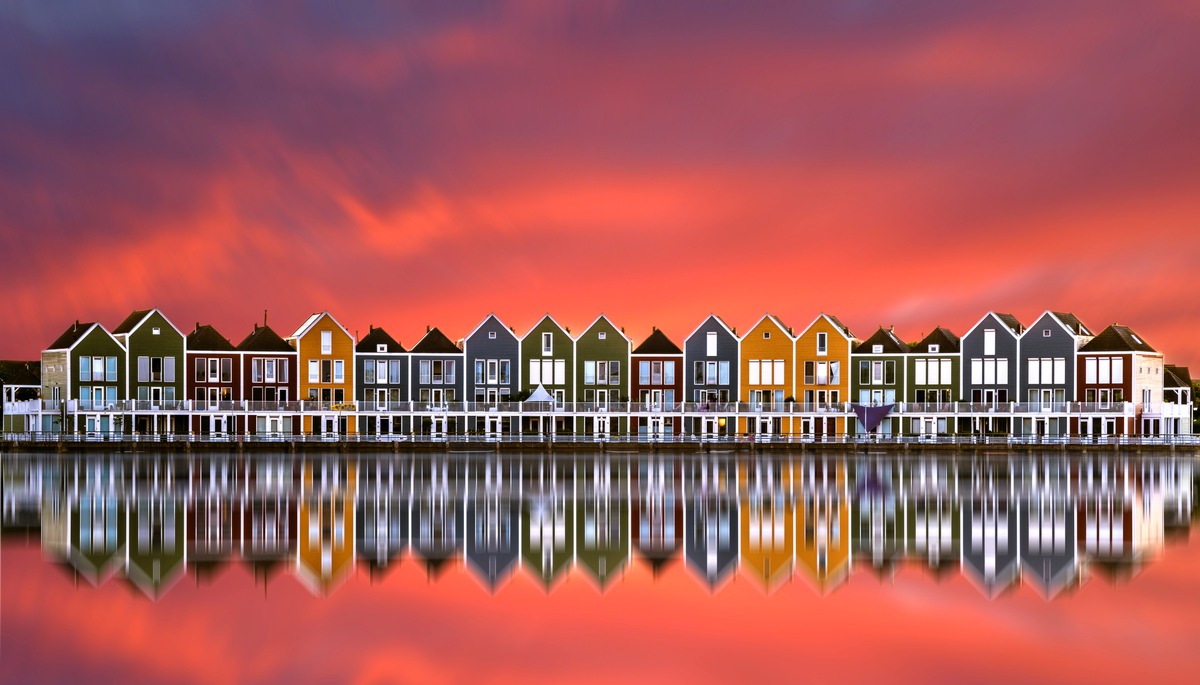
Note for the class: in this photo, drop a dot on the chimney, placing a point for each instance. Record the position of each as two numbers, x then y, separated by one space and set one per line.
197 326
426 328
264 318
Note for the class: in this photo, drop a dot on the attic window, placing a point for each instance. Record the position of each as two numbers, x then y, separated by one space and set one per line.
1045 332
156 330
876 349
934 349
381 347
766 335
1132 335
603 335
491 335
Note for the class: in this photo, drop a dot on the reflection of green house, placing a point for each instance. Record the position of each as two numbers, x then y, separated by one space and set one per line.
548 515
932 518
602 517
155 556
97 525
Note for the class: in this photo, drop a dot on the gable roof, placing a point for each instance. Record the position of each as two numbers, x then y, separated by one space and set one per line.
1177 376
264 339
1072 323
885 337
487 318
1014 326
20 373
942 337
135 317
1117 338
72 335
657 343
435 342
610 323
841 327
376 337
787 330
208 339
716 318
552 320
312 320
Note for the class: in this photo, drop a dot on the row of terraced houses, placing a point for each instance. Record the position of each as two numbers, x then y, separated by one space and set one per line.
1055 377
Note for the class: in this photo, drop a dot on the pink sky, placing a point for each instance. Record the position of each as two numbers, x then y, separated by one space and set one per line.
405 628
903 163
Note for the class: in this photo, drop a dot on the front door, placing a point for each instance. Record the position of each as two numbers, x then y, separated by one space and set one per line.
493 427
601 425
710 428
329 426
656 428
764 427
437 427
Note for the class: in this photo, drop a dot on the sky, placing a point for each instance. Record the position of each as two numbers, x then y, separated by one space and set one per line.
412 164
405 627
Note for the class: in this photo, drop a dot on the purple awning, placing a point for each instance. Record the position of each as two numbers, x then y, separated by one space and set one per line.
870 417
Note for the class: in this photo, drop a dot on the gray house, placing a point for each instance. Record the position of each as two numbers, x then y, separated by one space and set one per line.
492 375
989 369
710 377
1047 371
382 373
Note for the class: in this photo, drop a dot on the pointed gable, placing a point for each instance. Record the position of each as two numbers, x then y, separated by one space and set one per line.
1117 338
499 324
603 321
657 343
711 317
131 321
376 337
207 338
1176 376
946 341
886 339
1012 322
1071 323
264 339
435 342
72 335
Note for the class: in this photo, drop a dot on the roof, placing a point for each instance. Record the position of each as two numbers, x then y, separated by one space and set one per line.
775 320
1177 376
552 320
483 323
131 321
657 343
208 339
435 342
841 326
885 337
719 321
1011 321
942 337
312 320
376 337
264 339
1072 322
607 320
71 336
20 373
1117 338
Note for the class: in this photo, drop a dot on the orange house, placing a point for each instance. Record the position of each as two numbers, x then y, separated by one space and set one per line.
767 517
325 526
823 522
766 369
326 352
823 376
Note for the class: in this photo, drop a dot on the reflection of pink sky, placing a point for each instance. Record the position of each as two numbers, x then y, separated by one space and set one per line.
405 628
887 166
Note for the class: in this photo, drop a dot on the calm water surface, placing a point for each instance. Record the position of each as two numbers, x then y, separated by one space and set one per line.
420 568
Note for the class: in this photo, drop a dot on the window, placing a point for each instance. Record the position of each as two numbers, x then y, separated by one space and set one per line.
168 369
656 373
156 369
214 369
889 372
989 341
226 370
919 373
381 367
780 376
560 371
326 371
712 372
85 368
1046 333
505 372
110 370
669 373
601 373
603 335
98 368
449 371
326 342
491 335
381 347
201 364
766 335
835 373
822 344
339 371
268 369
810 373
369 372
934 349
143 369
156 331
864 372
394 371
876 373
614 373
547 343
493 371
478 372
723 373
589 373
876 349
644 373
313 371
535 373
822 373
439 371
711 344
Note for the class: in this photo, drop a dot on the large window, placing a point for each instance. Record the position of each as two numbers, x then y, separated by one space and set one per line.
1046 371
711 344
766 372
326 342
989 342
822 344
547 343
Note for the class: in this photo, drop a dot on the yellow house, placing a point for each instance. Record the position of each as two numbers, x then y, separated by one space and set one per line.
823 376
766 369
766 512
823 521
325 525
326 352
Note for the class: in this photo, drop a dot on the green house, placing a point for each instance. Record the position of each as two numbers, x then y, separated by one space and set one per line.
878 368
154 355
548 360
602 377
84 379
932 383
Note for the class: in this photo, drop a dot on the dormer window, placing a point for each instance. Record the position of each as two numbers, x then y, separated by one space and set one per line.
934 349
381 347
876 349
1046 333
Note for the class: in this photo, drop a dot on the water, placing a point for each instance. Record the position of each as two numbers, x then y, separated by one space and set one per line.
469 569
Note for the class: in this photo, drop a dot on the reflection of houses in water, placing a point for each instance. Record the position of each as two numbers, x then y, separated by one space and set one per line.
437 510
269 514
711 529
989 548
876 535
548 506
96 512
325 526
382 519
156 551
494 519
1049 553
602 512
1120 515
658 510
213 511
767 519
1173 480
823 521
932 512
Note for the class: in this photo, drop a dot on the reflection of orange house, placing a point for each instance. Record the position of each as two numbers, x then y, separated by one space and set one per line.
325 522
326 351
823 375
823 522
767 517
767 355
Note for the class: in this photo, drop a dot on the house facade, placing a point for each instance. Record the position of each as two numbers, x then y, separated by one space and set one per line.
1120 382
493 355
436 371
270 373
213 383
989 372
823 376
326 357
879 378
711 380
766 367
1046 371
932 383
656 386
84 381
548 360
601 377
382 383
154 355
